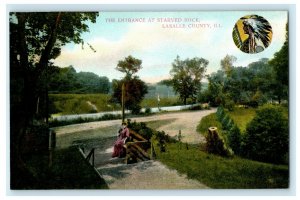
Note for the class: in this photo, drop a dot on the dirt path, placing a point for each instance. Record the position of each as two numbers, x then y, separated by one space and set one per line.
144 175
184 121
150 174
187 123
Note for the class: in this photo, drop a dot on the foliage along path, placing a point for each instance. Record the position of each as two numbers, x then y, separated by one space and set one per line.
144 175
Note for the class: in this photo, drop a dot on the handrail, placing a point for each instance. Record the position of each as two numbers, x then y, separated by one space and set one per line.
91 154
134 150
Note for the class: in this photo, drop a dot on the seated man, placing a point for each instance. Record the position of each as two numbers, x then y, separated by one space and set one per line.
119 150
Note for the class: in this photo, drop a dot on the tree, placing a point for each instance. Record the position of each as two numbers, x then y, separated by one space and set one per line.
129 66
280 63
166 82
135 88
92 83
67 80
187 76
267 136
251 85
215 87
227 63
35 39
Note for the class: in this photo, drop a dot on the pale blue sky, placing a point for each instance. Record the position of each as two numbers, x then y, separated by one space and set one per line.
157 47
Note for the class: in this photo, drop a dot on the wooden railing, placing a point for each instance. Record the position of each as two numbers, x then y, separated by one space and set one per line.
136 148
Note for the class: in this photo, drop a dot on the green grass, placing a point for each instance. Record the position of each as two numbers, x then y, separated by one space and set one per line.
224 173
78 103
152 102
242 116
208 121
63 104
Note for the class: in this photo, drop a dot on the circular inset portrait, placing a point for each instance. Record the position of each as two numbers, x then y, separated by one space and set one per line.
252 34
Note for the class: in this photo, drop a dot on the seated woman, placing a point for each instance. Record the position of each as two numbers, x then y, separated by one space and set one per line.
119 150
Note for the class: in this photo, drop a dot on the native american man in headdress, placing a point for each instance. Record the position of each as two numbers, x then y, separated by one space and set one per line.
258 30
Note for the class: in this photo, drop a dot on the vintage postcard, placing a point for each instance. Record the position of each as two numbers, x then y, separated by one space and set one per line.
149 100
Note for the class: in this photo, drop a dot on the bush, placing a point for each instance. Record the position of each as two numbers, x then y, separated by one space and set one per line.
231 132
225 121
215 144
148 111
229 104
229 124
160 136
141 129
234 139
136 109
267 137
162 139
220 113
196 107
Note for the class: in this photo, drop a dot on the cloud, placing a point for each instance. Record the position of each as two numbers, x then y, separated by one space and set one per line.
157 47
144 40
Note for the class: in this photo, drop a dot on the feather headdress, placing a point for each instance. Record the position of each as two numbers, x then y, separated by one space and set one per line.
260 27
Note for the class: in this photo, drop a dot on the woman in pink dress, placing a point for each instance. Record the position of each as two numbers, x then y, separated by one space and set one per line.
119 150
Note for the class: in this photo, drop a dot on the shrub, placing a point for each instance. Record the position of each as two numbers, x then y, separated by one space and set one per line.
196 107
148 111
136 109
215 144
141 128
266 136
160 136
229 124
234 139
162 139
258 99
220 113
229 104
231 132
226 119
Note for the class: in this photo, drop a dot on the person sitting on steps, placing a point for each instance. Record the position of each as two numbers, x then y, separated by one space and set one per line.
119 150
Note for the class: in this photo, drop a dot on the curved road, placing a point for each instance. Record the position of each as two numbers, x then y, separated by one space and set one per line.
185 121
151 174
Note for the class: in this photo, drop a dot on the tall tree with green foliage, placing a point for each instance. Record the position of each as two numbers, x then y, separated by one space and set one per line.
129 66
227 63
215 87
67 80
280 63
135 88
251 85
187 75
36 38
